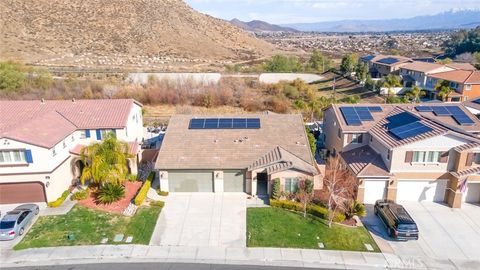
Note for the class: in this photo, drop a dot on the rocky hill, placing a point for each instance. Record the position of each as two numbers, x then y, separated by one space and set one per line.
261 26
129 33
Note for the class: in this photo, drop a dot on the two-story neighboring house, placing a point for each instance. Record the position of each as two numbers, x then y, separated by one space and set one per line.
466 83
408 152
40 142
383 65
415 73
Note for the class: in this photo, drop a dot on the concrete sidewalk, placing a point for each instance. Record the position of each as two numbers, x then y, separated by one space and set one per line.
244 256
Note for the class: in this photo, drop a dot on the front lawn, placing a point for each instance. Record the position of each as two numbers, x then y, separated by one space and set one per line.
89 227
274 227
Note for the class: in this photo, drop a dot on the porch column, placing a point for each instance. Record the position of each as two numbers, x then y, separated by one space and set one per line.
453 193
254 183
218 181
361 190
163 176
392 189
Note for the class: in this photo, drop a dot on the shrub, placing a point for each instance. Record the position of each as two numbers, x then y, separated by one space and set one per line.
354 208
142 193
276 189
60 200
131 177
162 193
79 195
157 203
312 209
110 193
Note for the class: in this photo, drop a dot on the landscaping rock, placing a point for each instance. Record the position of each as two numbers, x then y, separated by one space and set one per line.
321 245
369 247
104 240
129 239
118 238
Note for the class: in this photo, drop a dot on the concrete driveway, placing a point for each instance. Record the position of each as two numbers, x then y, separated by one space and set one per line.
444 232
202 220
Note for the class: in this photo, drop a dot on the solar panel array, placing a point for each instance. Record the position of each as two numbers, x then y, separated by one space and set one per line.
410 130
454 111
368 57
355 115
388 60
224 123
400 119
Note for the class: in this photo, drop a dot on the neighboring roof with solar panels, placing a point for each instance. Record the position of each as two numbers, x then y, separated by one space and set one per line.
399 124
234 142
390 60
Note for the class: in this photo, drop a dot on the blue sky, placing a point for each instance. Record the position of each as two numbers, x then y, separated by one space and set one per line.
300 11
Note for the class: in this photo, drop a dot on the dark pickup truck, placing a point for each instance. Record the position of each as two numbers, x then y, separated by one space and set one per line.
399 223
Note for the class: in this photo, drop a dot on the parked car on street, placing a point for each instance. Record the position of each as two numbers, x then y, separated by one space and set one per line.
16 221
400 225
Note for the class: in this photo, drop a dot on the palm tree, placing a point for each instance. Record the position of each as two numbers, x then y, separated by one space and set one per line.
415 94
106 161
445 92
390 82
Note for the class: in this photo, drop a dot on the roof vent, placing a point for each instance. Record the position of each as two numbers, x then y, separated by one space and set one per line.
215 141
42 101
73 100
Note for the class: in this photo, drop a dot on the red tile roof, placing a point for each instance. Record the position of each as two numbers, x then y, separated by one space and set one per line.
459 76
47 123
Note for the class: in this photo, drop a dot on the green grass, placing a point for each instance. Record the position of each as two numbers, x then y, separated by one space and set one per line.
89 227
274 227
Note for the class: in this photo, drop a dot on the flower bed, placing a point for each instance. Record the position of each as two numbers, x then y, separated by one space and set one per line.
131 189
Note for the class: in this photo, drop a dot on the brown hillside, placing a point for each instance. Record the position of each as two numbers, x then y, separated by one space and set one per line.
136 33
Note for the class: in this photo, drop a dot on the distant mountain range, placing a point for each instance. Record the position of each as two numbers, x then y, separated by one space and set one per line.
261 26
445 20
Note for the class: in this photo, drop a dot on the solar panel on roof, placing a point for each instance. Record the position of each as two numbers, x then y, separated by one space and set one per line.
463 120
196 124
368 57
423 108
454 110
350 115
410 130
400 120
388 60
224 123
441 111
375 109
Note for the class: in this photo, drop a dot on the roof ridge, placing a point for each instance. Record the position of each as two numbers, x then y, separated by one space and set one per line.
65 118
469 76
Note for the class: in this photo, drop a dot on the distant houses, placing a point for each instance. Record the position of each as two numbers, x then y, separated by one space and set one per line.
462 78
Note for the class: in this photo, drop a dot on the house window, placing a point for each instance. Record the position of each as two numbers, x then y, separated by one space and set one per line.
388 155
12 156
64 144
468 87
357 138
291 184
339 134
73 138
425 156
83 134
54 153
477 158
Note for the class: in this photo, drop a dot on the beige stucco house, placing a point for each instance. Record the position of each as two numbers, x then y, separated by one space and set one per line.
409 152
240 153
40 142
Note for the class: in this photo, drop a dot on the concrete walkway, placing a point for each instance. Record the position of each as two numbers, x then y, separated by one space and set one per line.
245 256
66 206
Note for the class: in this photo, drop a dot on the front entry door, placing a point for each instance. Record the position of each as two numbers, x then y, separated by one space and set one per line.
262 184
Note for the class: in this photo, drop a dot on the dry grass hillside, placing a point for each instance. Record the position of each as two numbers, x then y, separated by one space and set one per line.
120 33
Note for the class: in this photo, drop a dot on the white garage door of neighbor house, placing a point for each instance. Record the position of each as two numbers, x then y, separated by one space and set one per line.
472 194
190 181
432 191
233 181
375 190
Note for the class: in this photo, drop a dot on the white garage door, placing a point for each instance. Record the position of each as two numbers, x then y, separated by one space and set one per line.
233 181
375 190
472 194
432 191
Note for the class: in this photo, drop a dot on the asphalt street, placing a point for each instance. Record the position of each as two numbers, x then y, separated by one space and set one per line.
154 266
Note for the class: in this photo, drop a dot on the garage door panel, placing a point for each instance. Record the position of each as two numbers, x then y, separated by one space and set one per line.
234 181
472 194
432 191
22 192
190 181
374 190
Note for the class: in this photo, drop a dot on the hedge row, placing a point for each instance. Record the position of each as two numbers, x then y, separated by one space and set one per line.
60 200
312 209
142 194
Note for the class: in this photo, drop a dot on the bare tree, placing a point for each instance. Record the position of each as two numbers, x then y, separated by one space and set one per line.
338 184
304 194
